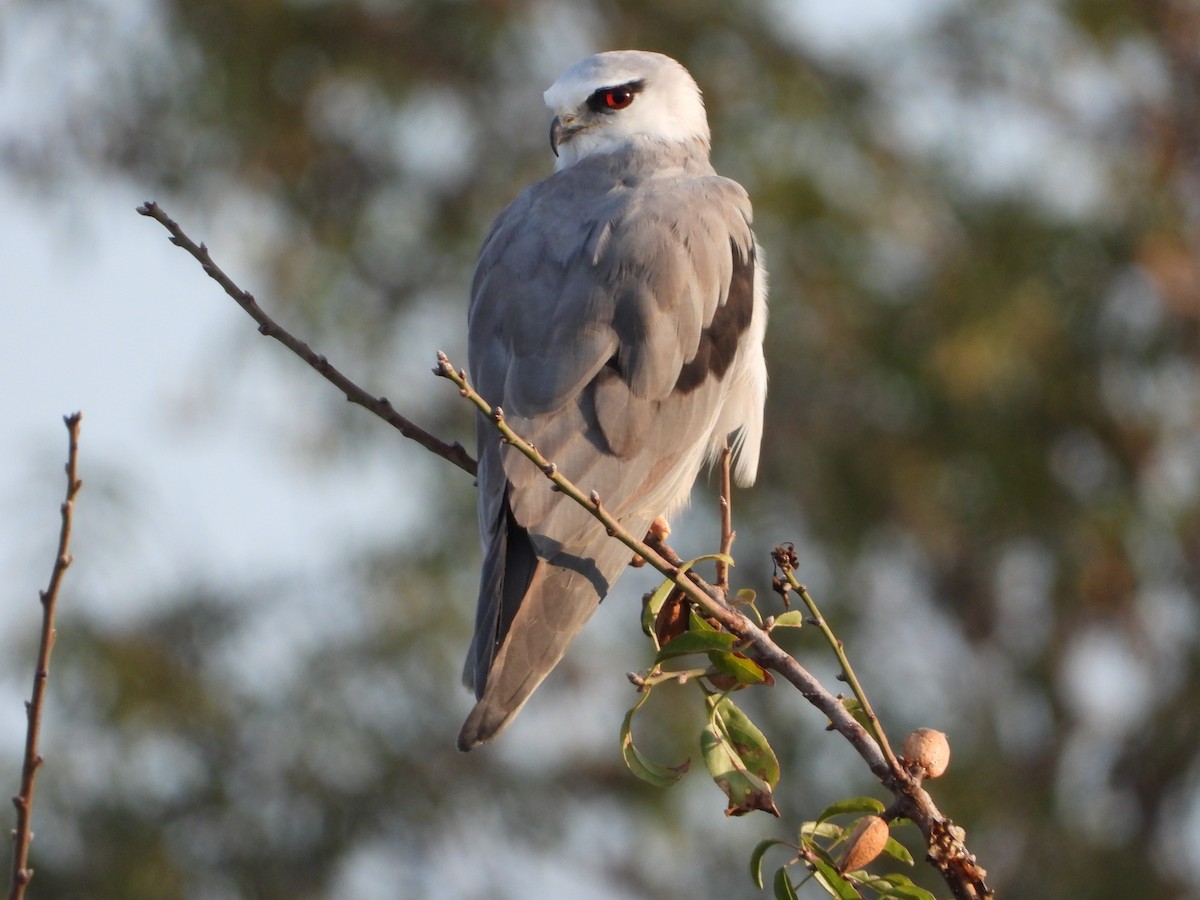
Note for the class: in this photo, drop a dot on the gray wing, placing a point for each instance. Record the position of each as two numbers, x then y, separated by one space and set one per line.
605 320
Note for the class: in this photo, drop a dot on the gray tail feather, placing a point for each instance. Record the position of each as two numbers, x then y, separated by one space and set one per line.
508 569
560 594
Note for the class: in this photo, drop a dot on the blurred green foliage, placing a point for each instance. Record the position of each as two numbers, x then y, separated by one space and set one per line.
982 222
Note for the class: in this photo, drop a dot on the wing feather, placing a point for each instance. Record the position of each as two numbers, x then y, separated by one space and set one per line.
611 317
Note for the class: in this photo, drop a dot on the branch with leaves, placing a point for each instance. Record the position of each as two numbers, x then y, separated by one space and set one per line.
23 801
741 652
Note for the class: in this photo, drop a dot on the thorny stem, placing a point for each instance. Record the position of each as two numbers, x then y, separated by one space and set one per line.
23 801
381 406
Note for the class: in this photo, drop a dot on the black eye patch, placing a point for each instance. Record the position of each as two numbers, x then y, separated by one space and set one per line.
617 97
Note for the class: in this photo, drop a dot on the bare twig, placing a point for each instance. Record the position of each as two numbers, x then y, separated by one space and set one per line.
785 558
727 534
380 406
707 597
945 840
23 801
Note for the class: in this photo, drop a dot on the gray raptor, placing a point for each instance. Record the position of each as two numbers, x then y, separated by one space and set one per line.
617 316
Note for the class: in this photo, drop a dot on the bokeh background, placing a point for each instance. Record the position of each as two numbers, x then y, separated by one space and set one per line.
982 221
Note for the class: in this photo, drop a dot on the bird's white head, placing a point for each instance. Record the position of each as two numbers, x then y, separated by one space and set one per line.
605 100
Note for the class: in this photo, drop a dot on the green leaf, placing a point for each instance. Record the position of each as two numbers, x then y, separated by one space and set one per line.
897 850
756 858
698 623
783 886
823 855
652 608
743 597
742 669
854 805
721 557
745 790
655 604
896 885
695 642
833 882
792 619
856 710
739 759
646 769
810 830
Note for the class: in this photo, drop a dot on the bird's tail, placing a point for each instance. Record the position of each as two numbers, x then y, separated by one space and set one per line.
562 593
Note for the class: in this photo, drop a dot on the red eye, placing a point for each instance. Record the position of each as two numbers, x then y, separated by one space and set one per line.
618 98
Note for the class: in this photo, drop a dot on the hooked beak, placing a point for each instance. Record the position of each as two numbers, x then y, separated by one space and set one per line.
562 130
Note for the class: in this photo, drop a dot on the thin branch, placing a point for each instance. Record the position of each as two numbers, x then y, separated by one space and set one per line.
707 597
592 502
23 801
727 533
785 559
380 406
945 840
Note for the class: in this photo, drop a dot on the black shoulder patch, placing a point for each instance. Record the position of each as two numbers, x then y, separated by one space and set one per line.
719 341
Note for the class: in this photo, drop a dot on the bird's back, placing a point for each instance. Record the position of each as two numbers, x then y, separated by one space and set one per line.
616 316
